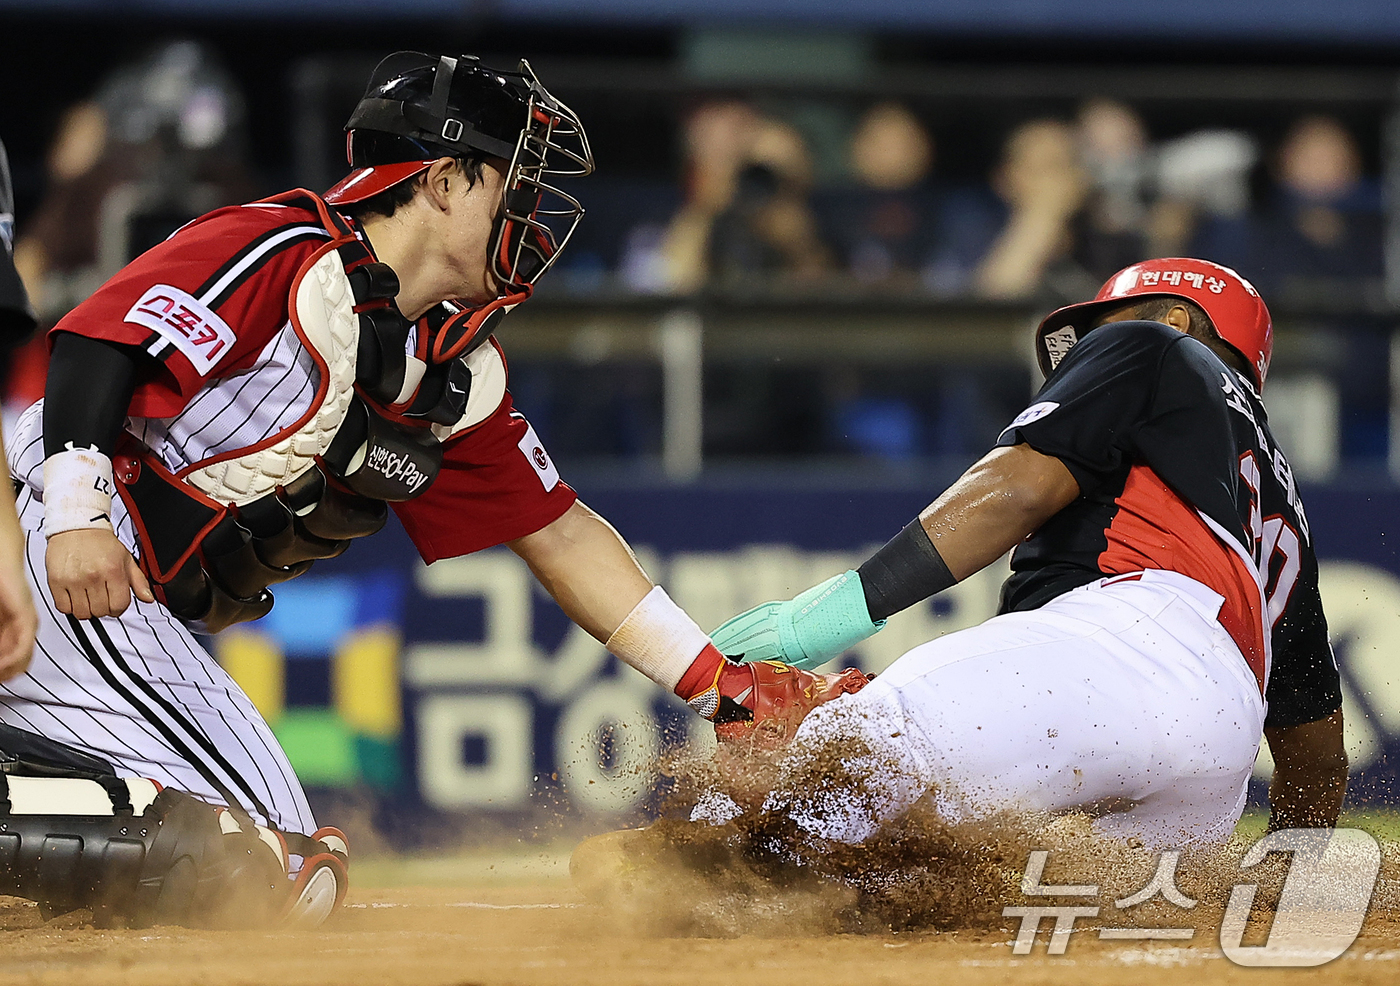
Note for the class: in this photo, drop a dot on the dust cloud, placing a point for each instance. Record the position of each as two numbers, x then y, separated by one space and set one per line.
760 874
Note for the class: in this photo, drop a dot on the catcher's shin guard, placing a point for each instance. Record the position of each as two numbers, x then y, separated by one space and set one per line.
74 835
323 879
136 855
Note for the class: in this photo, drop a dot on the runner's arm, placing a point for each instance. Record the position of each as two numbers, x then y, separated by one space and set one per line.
993 506
1310 774
1005 496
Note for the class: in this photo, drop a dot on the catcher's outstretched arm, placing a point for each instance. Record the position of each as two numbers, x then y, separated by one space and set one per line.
592 574
588 568
1310 774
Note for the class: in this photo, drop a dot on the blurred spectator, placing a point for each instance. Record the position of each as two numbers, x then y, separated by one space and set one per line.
746 215
1077 200
159 145
1110 232
676 259
1329 216
1321 231
77 147
1043 185
885 230
890 149
1202 177
625 225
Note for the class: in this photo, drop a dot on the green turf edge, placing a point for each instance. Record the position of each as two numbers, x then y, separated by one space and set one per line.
1382 823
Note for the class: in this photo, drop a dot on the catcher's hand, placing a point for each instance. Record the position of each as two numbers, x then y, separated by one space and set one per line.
782 698
806 631
91 574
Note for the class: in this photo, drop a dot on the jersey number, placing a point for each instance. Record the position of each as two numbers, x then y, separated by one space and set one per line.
1272 535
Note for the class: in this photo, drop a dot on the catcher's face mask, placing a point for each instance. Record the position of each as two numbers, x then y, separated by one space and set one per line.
419 108
537 217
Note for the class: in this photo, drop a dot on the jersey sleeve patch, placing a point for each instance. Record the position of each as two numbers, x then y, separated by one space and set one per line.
184 322
1033 413
533 450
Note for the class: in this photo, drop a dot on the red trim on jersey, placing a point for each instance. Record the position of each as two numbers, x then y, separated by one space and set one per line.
255 311
334 222
147 561
322 370
1156 528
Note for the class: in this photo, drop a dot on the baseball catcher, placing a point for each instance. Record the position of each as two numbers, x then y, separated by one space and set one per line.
253 395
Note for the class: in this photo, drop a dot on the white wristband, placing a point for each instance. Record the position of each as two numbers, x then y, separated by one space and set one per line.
658 639
78 491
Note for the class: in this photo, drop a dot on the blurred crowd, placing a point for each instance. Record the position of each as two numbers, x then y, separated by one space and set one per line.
159 143
763 200
1069 202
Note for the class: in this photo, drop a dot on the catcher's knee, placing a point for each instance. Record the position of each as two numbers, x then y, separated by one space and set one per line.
137 855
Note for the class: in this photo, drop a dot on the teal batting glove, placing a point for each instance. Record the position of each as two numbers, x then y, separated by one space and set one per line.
805 632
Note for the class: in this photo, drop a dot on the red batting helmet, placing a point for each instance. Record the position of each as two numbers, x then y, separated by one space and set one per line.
1234 306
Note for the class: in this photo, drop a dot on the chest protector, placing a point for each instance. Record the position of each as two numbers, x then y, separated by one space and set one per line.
215 535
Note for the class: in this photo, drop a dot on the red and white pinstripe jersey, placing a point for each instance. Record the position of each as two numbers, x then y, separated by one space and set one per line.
210 304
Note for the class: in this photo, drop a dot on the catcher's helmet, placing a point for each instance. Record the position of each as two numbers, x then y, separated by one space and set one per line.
419 108
1234 306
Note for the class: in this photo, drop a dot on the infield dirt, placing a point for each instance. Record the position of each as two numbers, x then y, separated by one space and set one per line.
518 918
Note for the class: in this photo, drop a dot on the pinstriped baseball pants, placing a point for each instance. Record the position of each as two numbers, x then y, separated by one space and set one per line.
140 692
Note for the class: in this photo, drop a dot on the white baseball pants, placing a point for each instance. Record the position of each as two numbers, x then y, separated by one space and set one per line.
141 693
1124 697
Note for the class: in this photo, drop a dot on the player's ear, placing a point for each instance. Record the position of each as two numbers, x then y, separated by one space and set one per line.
1179 318
439 181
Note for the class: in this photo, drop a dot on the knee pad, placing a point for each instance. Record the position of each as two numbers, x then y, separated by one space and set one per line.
137 856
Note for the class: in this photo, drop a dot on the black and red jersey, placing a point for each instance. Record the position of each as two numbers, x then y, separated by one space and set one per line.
1177 470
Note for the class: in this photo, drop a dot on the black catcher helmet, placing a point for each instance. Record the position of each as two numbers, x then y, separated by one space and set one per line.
419 108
